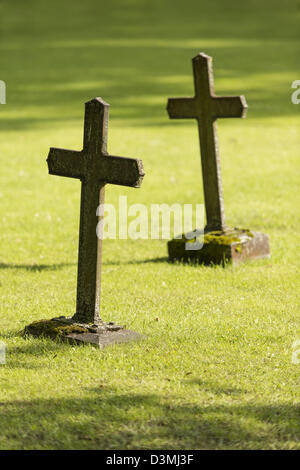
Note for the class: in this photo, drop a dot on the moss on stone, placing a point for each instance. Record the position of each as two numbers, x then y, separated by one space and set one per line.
220 237
53 328
217 247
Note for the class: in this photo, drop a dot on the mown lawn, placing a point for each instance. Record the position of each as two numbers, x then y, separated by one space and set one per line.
216 368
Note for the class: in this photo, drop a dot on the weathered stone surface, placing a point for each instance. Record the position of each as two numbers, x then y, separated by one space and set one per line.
65 330
53 328
222 247
206 108
104 339
93 328
95 168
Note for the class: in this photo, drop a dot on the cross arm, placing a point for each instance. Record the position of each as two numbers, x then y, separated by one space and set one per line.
181 108
63 162
229 106
120 170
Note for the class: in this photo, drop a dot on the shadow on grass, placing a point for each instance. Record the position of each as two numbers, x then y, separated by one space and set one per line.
37 348
36 267
163 259
140 55
215 388
166 260
108 419
26 355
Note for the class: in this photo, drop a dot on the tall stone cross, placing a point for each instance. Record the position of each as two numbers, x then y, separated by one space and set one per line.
206 107
95 168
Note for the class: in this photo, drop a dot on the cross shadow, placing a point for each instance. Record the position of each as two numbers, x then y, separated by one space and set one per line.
36 267
163 259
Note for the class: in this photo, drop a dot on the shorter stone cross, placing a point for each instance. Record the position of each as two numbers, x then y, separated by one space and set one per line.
206 107
94 167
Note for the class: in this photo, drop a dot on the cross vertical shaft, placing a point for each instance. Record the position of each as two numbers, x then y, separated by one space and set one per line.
89 256
206 107
92 195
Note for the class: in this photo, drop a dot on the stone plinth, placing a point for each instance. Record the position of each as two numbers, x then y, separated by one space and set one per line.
67 330
221 247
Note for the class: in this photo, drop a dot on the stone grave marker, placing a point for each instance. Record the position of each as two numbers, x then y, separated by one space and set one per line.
95 168
221 243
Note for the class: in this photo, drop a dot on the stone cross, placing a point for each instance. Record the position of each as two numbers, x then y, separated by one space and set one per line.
206 107
94 167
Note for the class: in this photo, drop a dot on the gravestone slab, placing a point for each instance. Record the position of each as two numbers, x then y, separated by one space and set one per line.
221 243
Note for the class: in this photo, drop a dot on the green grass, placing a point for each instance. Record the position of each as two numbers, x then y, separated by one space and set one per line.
215 370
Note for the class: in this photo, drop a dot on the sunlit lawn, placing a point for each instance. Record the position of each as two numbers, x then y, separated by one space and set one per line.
216 368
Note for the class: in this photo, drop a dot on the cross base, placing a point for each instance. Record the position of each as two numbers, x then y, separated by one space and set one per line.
221 247
67 330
